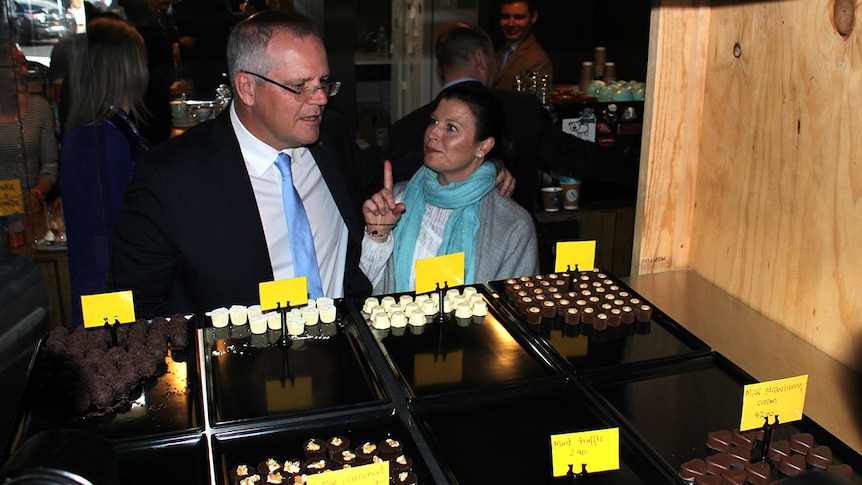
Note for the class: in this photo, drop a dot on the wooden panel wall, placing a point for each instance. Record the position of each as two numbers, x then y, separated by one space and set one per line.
753 173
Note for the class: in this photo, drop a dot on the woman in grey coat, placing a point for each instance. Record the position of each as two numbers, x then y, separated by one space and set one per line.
450 204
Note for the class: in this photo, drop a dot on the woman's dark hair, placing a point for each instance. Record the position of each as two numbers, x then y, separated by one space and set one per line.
489 115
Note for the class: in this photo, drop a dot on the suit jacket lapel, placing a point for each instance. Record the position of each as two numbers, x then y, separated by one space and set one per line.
231 175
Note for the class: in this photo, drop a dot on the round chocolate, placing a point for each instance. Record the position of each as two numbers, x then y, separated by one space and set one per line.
588 315
600 322
549 309
572 316
644 313
534 315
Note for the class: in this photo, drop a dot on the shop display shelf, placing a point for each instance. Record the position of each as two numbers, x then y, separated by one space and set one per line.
253 378
183 459
673 408
593 354
254 445
504 436
167 405
457 354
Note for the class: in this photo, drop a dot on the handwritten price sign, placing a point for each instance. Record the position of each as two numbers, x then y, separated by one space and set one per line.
599 450
783 398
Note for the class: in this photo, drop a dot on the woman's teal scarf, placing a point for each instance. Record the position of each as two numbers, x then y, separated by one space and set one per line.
460 234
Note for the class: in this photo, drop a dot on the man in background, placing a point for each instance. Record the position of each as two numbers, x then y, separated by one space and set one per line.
522 51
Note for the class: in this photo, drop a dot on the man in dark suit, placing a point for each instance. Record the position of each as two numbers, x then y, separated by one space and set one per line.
203 220
465 53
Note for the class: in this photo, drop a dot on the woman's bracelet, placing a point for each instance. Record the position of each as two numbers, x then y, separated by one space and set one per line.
381 234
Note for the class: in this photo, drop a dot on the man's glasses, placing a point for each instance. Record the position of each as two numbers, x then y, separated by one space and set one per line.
304 93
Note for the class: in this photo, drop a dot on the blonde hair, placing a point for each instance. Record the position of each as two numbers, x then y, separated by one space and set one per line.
112 71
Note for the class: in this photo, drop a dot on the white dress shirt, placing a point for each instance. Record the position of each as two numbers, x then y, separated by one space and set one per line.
327 227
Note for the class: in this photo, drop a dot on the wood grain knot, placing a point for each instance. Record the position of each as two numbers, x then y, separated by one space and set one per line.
844 16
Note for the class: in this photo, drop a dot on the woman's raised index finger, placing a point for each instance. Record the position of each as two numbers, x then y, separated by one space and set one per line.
387 174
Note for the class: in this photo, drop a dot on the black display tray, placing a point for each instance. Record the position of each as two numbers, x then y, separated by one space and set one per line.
592 353
458 354
282 442
174 460
503 437
258 377
672 409
169 404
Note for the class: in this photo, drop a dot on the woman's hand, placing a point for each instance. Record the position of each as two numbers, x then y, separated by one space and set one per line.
381 211
505 181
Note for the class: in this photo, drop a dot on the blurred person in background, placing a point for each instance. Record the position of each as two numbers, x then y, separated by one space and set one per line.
28 144
107 86
522 51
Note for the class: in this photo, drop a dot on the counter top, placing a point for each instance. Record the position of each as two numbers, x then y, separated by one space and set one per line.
760 347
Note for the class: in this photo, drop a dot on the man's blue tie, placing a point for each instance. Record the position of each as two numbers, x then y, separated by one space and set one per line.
301 241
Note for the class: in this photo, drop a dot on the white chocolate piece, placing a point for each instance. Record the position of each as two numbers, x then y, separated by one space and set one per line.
327 313
238 314
311 315
273 320
295 325
403 300
257 323
220 317
394 308
253 310
463 310
387 301
475 298
452 293
322 301
429 307
469 291
420 298
480 308
417 318
375 310
370 303
398 320
411 307
381 321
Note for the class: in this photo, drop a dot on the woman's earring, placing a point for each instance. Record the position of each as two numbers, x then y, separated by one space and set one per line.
480 155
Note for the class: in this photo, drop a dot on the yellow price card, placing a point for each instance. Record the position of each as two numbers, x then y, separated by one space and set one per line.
11 198
108 308
599 450
373 474
571 254
446 270
292 291
782 399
